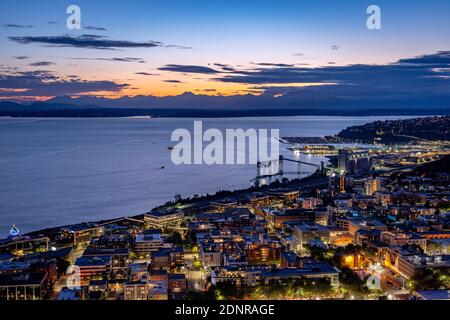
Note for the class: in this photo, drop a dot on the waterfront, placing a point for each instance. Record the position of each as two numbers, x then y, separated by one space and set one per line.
62 171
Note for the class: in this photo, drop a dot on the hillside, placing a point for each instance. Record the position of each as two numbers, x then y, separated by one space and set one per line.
399 131
441 165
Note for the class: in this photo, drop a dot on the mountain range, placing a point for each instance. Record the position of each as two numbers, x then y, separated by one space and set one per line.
189 104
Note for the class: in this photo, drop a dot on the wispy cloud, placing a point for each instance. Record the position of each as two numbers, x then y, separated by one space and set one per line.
205 90
93 28
225 67
270 64
41 64
21 57
116 59
19 26
412 77
188 69
45 83
89 41
146 74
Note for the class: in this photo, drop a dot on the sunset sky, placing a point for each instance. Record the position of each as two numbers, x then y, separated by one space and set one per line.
215 47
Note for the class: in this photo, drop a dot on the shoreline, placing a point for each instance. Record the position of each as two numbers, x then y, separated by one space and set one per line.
221 194
153 117
225 117
216 194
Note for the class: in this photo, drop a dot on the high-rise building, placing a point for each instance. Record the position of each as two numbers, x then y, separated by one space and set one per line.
351 162
338 182
371 186
343 158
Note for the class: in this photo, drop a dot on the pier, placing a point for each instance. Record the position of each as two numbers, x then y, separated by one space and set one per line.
274 167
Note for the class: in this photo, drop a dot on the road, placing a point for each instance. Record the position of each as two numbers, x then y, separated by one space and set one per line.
62 282
196 278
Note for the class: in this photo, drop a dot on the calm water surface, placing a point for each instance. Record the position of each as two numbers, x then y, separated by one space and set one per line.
62 171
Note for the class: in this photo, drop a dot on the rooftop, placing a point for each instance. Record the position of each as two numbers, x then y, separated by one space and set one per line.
81 227
434 294
23 279
308 269
86 261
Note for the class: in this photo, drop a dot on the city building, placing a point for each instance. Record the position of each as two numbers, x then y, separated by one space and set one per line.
149 241
136 290
161 219
28 286
93 268
409 265
304 233
314 270
82 234
157 290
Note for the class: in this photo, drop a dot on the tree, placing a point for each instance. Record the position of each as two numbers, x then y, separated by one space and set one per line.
369 252
197 264
434 248
352 284
228 291
176 238
199 295
432 279
315 252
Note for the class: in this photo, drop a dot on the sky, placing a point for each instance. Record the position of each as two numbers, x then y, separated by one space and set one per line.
216 47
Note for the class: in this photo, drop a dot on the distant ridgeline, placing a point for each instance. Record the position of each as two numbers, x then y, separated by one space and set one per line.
399 131
194 106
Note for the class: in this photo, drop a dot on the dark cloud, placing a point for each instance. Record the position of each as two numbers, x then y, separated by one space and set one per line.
229 69
335 47
45 83
41 64
89 41
21 57
172 81
19 26
269 64
7 69
146 74
93 28
205 90
188 69
441 58
298 54
225 67
419 81
428 74
122 59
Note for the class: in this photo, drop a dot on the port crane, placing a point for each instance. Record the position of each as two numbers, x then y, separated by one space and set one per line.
265 168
